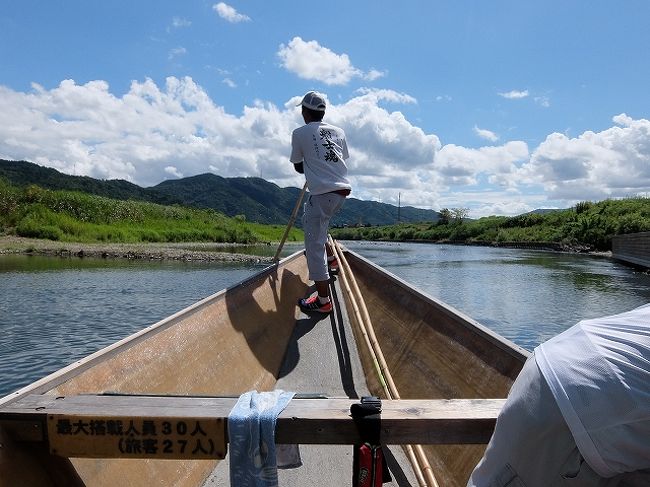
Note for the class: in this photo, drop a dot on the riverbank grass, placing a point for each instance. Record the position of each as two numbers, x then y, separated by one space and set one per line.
68 216
588 226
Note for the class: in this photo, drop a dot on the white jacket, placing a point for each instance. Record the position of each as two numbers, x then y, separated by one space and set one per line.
599 373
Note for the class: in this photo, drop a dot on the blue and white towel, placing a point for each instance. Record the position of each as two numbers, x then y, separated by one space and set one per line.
251 434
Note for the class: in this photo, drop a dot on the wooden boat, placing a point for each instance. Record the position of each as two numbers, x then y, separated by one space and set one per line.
253 337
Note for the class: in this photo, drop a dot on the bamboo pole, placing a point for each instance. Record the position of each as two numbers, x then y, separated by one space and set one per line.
362 327
292 219
415 453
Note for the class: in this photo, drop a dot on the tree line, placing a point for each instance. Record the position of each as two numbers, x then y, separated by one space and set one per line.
70 216
587 226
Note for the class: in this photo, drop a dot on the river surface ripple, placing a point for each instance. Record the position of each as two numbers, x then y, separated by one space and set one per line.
54 311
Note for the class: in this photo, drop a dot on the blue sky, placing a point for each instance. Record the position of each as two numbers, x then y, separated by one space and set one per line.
499 107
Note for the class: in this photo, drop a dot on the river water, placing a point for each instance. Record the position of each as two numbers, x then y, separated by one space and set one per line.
54 311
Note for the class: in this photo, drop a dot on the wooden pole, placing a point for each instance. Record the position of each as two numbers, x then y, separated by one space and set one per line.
363 328
292 219
416 454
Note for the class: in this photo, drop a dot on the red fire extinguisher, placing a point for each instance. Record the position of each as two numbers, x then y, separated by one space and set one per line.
369 465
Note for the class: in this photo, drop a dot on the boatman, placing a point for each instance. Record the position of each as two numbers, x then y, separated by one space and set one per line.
578 414
319 151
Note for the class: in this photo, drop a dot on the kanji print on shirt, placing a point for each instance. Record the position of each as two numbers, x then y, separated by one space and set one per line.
330 155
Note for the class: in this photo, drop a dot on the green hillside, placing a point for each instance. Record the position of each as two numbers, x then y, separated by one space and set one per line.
256 199
72 216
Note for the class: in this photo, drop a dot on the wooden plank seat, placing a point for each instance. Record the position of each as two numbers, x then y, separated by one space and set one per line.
54 420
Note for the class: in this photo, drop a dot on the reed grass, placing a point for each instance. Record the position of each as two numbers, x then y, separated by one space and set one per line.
587 226
69 216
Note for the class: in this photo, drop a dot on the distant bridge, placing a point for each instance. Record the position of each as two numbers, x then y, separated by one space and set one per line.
632 248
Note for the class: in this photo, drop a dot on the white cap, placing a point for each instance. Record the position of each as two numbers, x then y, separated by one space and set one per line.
314 101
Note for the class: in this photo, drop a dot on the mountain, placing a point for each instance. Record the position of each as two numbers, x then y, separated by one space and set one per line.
255 198
23 173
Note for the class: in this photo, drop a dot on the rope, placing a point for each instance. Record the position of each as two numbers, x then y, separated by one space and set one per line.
415 453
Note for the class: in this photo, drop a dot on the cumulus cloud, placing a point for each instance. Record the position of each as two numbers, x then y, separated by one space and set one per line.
388 154
493 202
228 13
138 135
152 132
514 94
486 134
310 60
592 166
173 171
463 166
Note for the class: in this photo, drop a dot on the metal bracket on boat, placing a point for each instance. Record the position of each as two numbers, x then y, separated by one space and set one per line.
367 416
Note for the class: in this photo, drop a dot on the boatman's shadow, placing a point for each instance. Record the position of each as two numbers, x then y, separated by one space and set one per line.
337 324
262 311
292 355
267 321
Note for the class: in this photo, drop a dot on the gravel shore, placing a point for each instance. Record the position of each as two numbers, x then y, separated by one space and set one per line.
207 252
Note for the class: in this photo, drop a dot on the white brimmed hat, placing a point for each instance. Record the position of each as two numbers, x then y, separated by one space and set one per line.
314 101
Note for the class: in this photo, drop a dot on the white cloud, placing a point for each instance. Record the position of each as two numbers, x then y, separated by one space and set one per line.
153 132
374 74
486 134
228 82
543 101
179 22
493 202
514 94
176 52
377 96
608 164
310 60
228 13
173 171
463 166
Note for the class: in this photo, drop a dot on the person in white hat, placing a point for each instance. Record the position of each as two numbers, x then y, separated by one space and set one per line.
319 151
578 414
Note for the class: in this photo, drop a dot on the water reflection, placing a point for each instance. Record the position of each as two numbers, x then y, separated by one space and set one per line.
526 296
54 311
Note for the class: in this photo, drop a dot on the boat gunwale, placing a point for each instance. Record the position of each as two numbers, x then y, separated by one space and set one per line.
468 322
61 375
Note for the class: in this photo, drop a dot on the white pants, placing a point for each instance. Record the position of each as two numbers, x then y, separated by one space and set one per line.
318 211
533 447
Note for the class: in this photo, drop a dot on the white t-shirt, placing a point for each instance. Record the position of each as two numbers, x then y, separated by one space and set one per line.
599 373
323 150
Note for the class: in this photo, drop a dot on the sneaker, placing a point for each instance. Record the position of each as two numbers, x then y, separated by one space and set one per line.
333 266
314 304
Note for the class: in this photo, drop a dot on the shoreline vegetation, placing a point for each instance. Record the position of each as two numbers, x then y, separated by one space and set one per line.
197 251
34 220
587 227
65 223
